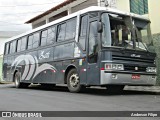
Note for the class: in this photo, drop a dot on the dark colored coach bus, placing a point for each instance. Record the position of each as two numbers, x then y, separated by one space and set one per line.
93 47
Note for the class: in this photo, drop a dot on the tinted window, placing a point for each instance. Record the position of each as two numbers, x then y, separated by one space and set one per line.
30 40
35 40
19 45
7 48
71 29
48 36
51 35
93 43
44 38
83 31
23 43
12 47
61 32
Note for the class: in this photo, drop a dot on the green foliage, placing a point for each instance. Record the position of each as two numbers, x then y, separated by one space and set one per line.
1 59
156 39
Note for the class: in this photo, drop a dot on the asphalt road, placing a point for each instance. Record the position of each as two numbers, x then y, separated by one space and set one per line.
36 98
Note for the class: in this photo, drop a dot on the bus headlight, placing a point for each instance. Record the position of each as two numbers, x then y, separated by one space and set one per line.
114 66
151 69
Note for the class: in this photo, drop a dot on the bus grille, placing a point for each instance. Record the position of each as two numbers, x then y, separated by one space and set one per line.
130 59
134 68
133 64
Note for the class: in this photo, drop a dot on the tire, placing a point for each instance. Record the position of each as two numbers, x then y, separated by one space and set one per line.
17 81
73 81
115 89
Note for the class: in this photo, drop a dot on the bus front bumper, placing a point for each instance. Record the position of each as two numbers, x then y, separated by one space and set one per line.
117 78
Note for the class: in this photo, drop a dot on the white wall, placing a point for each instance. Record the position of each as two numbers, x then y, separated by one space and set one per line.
154 15
123 5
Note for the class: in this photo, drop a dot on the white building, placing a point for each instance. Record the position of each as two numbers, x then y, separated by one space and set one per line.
65 8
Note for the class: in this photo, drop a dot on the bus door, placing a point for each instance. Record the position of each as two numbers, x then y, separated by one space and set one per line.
92 54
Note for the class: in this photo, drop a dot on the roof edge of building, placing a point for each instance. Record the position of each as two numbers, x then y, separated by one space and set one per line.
66 2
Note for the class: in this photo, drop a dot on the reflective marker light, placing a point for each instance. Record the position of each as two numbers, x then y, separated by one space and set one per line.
114 66
151 69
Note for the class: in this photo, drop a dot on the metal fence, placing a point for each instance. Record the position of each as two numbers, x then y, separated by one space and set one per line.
1 61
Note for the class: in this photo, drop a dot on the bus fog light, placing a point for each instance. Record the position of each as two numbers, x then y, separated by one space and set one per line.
114 76
151 69
153 77
114 66
120 67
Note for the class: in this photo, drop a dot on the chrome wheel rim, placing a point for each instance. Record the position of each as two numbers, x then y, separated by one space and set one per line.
16 81
74 80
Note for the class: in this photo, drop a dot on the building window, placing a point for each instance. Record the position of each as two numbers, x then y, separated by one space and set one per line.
139 6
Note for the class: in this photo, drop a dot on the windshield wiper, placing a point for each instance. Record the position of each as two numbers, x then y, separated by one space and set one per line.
143 44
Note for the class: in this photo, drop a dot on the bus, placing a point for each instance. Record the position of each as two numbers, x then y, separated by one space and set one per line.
96 46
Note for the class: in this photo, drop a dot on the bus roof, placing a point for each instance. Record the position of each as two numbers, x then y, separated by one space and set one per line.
86 10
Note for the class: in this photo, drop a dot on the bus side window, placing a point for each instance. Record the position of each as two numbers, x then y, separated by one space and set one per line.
36 38
93 43
70 29
83 31
44 38
51 35
19 45
12 47
6 48
23 43
30 41
61 32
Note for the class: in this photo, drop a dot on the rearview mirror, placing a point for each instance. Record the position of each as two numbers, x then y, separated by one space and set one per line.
100 27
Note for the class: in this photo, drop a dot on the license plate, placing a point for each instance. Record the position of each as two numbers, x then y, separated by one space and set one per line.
136 77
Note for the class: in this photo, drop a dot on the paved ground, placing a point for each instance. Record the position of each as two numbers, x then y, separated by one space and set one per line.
155 89
36 98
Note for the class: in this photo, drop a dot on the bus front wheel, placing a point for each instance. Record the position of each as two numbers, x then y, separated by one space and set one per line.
73 81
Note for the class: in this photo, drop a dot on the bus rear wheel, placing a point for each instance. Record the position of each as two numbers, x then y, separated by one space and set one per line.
17 81
73 81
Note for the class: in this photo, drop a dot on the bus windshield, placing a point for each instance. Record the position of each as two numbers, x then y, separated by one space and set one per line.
126 32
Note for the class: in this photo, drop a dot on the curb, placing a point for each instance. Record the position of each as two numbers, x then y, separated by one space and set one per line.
144 88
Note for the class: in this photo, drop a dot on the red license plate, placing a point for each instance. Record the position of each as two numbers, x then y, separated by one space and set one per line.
137 77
